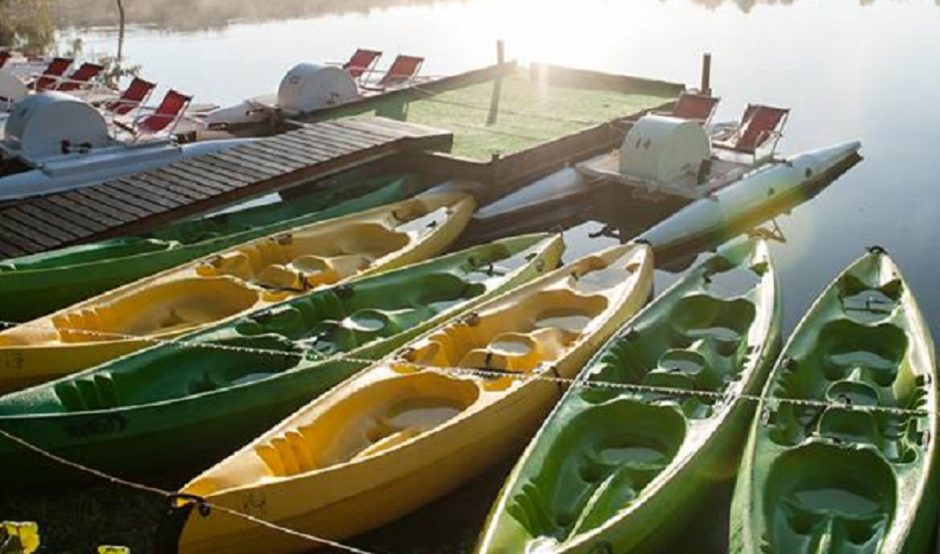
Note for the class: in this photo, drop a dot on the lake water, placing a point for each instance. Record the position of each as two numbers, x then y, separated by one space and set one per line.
848 69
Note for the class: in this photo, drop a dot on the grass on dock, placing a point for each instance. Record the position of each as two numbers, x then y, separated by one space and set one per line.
530 112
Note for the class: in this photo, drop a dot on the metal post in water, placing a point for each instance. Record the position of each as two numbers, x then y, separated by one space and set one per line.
120 51
497 84
706 87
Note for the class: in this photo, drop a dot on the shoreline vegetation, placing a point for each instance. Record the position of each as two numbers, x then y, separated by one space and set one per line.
31 25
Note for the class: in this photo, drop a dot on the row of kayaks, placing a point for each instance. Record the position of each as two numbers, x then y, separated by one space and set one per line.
366 385
473 349
839 457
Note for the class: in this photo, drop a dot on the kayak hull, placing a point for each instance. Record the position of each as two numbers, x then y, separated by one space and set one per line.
828 449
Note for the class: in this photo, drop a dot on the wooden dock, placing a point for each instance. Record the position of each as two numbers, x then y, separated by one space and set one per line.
142 201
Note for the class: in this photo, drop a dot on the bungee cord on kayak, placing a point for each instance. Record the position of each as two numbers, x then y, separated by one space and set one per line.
543 375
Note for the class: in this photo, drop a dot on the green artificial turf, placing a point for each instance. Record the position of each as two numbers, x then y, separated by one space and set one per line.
530 112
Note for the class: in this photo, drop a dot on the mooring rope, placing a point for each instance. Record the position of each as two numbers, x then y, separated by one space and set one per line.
142 487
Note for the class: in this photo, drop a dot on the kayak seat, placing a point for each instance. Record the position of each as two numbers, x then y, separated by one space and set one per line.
520 352
365 239
600 275
845 425
97 392
235 264
867 304
371 420
722 322
167 307
596 465
845 345
820 493
516 338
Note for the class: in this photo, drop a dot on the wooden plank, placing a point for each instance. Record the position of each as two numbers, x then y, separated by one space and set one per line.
285 152
173 185
237 164
325 134
259 155
48 214
56 230
312 148
79 213
8 236
144 191
76 223
331 148
351 134
9 251
359 128
256 157
29 235
345 141
100 198
196 175
147 189
209 171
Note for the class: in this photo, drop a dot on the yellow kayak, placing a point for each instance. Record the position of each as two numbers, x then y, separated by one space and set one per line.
225 285
416 425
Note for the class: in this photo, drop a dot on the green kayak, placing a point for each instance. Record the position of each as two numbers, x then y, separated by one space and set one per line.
654 422
841 458
187 403
32 286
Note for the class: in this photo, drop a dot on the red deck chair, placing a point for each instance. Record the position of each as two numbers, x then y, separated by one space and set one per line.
402 70
81 77
4 58
695 107
50 76
760 126
362 61
164 119
131 98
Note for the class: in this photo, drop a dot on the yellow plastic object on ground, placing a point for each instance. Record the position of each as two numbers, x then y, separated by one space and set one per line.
225 285
416 425
19 537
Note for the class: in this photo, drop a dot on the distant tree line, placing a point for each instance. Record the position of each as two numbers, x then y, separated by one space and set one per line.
27 25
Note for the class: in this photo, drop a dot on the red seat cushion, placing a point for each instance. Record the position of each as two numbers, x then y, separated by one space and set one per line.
166 113
133 95
758 126
48 79
695 106
83 74
360 61
403 69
